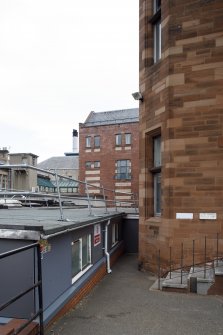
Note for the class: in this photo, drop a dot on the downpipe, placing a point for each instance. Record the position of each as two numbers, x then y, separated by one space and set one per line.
106 248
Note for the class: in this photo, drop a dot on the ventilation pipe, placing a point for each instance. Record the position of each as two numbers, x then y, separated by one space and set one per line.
75 141
106 247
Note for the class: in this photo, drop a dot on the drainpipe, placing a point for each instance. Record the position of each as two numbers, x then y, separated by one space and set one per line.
106 247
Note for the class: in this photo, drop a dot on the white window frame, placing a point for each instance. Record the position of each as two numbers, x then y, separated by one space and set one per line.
128 138
97 141
123 165
97 164
83 269
118 140
115 234
87 165
88 141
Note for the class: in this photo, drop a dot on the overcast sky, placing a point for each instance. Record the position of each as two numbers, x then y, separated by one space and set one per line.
59 60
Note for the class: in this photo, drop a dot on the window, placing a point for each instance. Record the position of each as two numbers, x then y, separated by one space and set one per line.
156 170
157 151
88 165
157 41
156 22
123 169
88 142
92 165
81 256
157 193
76 262
114 234
97 164
118 139
156 6
128 139
24 160
3 182
97 141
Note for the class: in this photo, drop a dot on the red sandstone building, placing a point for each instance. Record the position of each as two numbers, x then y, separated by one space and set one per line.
109 152
181 130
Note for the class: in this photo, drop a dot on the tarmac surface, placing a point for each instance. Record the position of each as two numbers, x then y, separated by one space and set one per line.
123 304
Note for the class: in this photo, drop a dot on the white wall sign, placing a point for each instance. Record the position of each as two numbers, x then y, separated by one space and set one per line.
207 216
187 216
97 234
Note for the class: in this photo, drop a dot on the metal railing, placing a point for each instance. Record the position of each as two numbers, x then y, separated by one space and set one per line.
189 258
37 286
92 195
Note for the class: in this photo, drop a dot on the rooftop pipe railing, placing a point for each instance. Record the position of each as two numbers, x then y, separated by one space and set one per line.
105 193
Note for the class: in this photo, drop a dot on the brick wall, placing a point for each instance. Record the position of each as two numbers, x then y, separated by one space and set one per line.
108 154
183 101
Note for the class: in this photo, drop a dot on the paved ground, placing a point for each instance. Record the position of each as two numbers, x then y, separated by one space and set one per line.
122 304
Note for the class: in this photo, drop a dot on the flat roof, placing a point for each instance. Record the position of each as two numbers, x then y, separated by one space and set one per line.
39 223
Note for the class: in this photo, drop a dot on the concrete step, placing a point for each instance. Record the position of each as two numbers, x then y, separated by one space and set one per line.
218 266
14 324
200 279
176 281
205 277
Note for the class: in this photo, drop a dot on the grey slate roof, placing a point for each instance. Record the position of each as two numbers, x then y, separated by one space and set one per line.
112 117
60 162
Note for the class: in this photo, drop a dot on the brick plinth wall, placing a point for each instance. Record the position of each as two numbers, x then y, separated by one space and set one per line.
183 101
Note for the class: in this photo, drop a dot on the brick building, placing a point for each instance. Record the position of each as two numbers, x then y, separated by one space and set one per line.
108 152
181 128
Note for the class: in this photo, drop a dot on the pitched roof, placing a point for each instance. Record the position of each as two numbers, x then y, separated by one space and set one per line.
44 182
60 162
112 117
65 183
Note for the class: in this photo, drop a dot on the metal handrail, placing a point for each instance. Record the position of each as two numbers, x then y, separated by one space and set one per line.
37 285
26 166
184 267
102 189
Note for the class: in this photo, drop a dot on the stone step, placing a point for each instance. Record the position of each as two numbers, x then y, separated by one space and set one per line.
176 280
205 277
181 281
200 279
218 266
